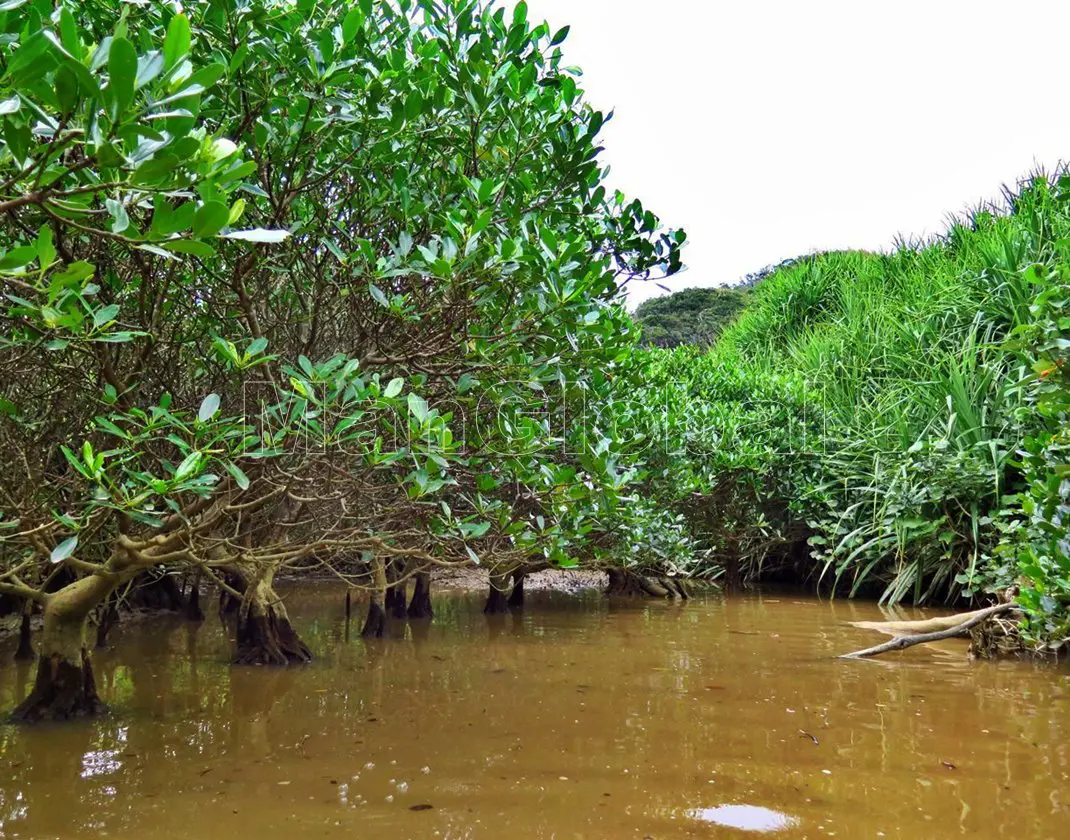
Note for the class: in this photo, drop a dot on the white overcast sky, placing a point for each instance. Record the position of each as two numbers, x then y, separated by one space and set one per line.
770 129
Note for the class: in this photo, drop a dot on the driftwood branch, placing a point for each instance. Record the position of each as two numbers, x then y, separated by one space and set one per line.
902 642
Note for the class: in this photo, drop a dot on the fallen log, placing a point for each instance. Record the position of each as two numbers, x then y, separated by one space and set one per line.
915 628
965 622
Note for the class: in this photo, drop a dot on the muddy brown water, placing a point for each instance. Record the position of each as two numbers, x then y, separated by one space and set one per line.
577 720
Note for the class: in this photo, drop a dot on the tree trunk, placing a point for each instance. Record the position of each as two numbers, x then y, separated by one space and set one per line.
375 625
395 600
516 599
64 687
228 604
497 602
420 605
264 634
733 580
25 653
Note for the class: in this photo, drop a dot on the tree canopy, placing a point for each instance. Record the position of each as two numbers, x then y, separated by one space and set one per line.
302 286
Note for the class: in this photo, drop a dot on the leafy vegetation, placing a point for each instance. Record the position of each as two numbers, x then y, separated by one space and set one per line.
691 316
300 287
889 423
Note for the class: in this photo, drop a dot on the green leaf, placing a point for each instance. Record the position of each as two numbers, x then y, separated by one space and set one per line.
211 217
68 34
209 406
351 24
46 251
188 466
559 36
18 257
120 219
122 72
414 104
105 315
240 478
332 246
176 44
418 407
64 550
190 246
377 293
394 387
66 85
149 66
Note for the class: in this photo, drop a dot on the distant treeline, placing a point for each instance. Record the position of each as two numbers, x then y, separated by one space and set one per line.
698 316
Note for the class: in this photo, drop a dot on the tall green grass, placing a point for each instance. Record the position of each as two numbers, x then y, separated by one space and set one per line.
908 479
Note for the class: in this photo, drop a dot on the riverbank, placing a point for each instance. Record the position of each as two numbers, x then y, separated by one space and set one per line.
472 579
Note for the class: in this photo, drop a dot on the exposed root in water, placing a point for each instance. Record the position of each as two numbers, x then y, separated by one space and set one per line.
420 605
157 591
262 628
61 691
375 623
395 601
998 638
516 598
966 621
193 602
25 652
625 582
269 639
497 600
108 620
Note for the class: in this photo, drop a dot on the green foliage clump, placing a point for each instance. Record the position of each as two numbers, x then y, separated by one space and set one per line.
1036 544
892 423
304 285
691 316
